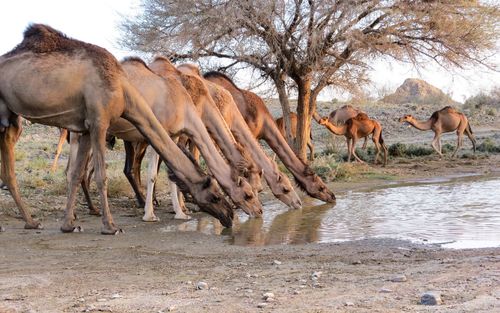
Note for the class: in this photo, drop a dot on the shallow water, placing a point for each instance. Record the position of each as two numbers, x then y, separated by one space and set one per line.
460 213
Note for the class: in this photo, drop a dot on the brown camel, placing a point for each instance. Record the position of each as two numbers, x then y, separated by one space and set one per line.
262 125
444 121
58 81
293 121
342 114
279 183
358 127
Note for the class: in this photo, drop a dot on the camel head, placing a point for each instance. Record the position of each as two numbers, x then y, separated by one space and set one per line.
210 199
283 190
314 186
247 199
406 119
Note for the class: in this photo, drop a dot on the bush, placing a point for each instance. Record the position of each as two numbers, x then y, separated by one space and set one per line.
403 150
488 145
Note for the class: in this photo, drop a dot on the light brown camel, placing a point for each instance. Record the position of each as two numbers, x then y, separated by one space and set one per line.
358 127
278 182
173 107
293 122
262 125
444 121
341 115
58 81
63 135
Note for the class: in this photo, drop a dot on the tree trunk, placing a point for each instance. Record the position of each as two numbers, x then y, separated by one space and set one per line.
304 115
285 107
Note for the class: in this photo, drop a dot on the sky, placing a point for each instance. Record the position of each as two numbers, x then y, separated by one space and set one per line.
96 22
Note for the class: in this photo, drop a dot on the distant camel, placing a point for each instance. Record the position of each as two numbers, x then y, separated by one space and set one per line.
262 125
63 136
293 123
444 121
342 114
358 127
58 81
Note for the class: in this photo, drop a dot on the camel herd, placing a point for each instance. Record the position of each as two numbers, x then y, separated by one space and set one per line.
82 89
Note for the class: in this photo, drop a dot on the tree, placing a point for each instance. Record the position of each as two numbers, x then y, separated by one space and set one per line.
316 43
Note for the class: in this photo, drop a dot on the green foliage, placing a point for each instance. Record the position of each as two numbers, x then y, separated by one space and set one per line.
403 150
488 145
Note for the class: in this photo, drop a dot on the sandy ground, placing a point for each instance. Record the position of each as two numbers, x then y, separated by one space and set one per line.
150 269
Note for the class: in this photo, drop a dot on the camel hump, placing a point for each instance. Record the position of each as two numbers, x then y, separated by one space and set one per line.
449 109
361 116
220 75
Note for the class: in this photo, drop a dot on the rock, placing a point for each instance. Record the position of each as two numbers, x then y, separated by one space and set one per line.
385 290
262 305
316 275
348 303
357 262
2 229
276 262
102 300
303 281
171 308
268 296
296 292
201 285
116 296
431 298
399 279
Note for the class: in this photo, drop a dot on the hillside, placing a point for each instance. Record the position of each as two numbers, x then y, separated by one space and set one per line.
418 91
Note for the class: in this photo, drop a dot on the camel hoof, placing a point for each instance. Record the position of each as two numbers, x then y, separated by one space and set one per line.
78 229
156 202
33 225
111 230
182 217
152 218
68 228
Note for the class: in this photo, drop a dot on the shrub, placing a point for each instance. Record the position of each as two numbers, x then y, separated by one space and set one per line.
488 145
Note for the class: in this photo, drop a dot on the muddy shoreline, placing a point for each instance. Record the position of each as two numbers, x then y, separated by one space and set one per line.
148 269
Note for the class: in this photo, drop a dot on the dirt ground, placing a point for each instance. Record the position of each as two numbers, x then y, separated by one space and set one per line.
149 268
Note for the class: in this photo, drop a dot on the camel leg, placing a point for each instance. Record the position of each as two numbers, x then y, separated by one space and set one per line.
377 149
436 144
149 215
62 137
349 151
353 148
128 170
93 210
74 177
8 139
469 134
311 149
365 143
460 137
178 203
98 135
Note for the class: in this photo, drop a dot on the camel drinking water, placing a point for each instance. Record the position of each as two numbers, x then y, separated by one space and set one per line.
262 125
444 121
58 81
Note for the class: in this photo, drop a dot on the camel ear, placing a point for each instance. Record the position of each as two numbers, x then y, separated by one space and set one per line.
279 178
240 181
261 173
207 183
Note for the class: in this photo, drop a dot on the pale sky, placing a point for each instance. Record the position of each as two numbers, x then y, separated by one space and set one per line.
96 22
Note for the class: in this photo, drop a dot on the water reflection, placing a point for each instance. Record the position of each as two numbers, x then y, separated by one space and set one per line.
462 213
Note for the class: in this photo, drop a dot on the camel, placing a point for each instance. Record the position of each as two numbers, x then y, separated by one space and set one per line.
341 115
444 121
262 126
358 127
55 80
278 182
293 121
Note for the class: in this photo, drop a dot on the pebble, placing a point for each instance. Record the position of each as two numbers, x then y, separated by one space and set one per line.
268 296
171 308
316 275
102 300
116 296
261 305
385 290
431 298
276 262
201 285
296 292
357 262
399 279
2 229
348 303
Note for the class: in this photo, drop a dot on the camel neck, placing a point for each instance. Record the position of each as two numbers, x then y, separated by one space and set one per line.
421 125
337 130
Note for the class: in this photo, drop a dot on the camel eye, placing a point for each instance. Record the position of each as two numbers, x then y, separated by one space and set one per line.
215 199
248 196
286 190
